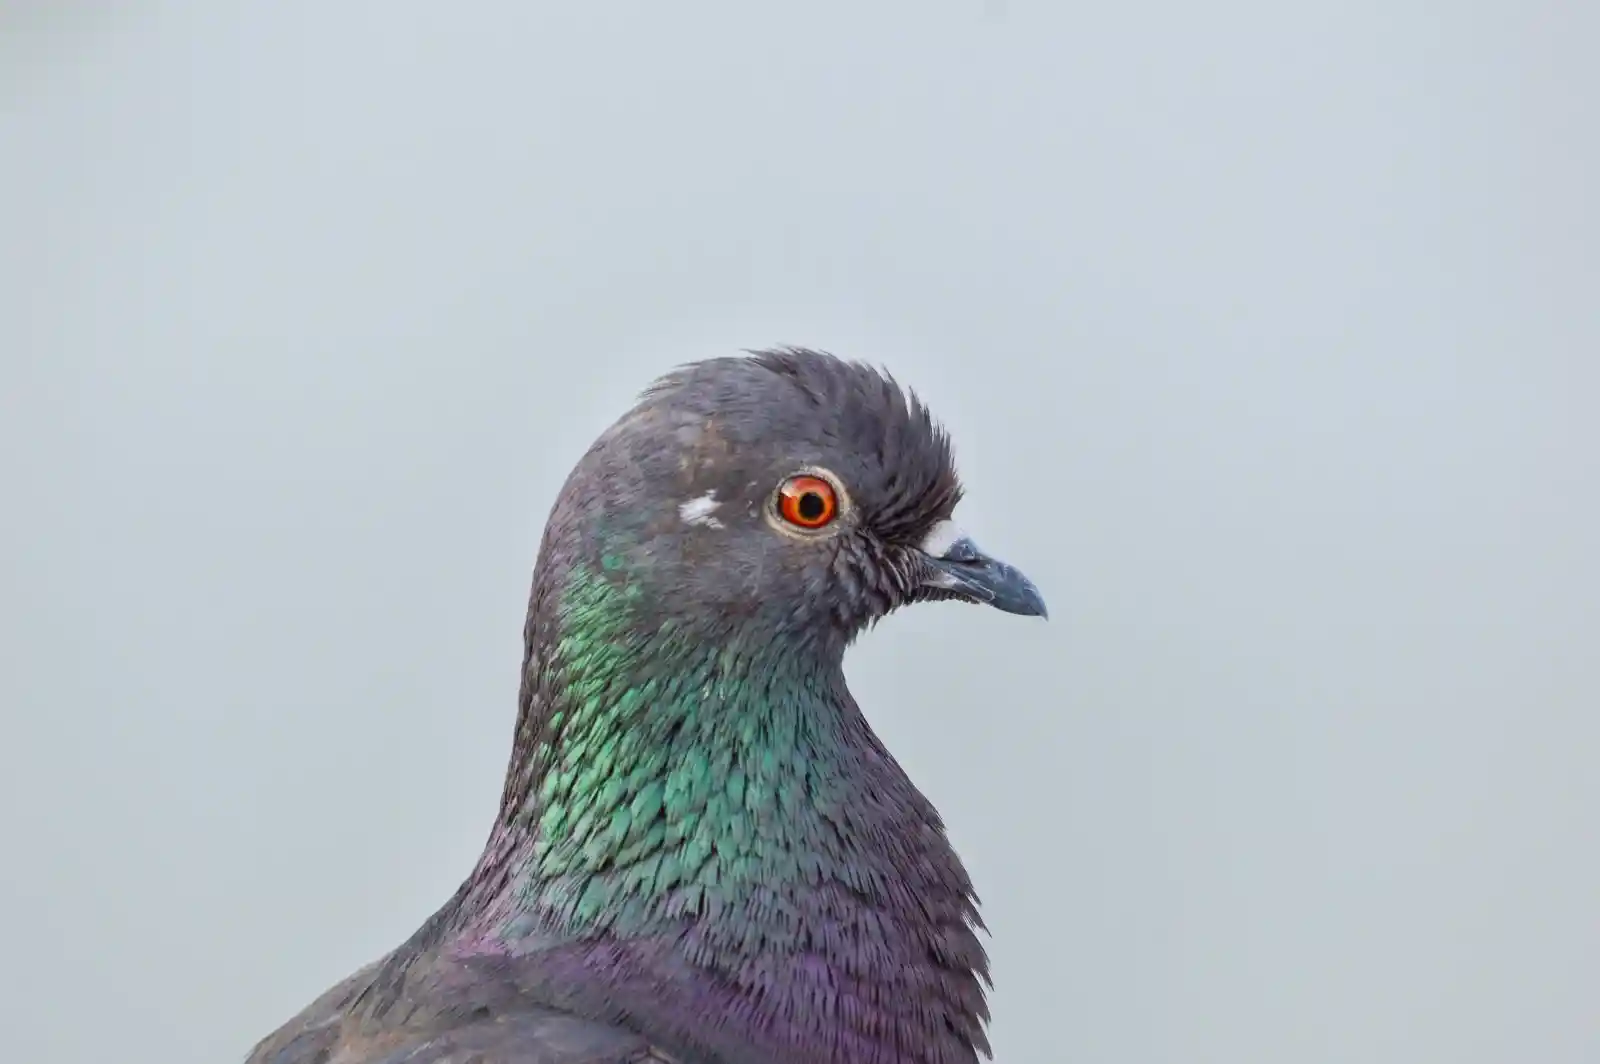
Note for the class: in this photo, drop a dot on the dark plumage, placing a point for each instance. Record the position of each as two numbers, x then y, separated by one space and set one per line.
703 853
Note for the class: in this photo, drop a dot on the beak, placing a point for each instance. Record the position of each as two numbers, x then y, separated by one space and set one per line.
955 563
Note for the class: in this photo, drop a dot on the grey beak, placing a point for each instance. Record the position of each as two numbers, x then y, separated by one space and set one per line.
957 564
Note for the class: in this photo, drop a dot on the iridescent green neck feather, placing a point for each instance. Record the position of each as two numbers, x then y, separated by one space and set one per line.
702 820
676 765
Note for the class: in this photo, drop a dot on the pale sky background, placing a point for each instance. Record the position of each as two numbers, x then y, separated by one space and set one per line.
1269 334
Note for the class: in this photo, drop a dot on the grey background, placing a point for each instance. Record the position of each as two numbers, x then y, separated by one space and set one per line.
1268 334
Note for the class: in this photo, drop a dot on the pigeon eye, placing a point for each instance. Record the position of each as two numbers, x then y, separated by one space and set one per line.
808 502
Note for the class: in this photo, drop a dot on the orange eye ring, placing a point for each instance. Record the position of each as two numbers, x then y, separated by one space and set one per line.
808 502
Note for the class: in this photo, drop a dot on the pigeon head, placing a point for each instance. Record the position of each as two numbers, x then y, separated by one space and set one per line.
789 492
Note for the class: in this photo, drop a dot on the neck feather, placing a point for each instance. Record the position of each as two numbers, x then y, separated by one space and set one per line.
710 808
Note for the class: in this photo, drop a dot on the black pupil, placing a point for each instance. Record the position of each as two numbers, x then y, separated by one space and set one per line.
812 506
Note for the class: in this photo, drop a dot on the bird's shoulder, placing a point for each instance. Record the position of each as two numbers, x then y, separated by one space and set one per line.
455 1027
312 1034
526 1036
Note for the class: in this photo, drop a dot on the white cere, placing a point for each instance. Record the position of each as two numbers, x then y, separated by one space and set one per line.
940 538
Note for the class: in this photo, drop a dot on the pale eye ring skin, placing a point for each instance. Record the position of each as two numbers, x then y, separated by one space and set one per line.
808 502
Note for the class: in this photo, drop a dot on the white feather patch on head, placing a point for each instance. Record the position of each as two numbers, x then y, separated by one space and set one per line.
940 538
698 511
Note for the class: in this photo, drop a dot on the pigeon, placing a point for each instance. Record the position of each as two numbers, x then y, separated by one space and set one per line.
703 854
